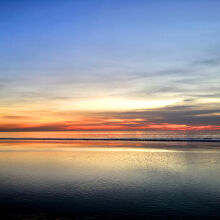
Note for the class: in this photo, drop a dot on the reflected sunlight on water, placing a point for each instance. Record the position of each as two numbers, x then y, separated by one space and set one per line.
99 178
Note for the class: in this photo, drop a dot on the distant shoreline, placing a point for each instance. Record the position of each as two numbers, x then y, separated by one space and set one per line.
116 139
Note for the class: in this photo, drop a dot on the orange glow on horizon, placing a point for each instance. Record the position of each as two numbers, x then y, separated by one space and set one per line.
102 126
31 120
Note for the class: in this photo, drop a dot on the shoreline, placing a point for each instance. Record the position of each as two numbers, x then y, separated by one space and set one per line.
116 139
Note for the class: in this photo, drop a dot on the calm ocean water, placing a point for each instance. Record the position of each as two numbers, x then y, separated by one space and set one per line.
109 179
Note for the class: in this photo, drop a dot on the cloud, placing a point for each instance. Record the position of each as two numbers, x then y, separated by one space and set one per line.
185 115
196 85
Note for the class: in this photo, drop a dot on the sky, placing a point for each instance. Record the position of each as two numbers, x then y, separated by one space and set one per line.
109 65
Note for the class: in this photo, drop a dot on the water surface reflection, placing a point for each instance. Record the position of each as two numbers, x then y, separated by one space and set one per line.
110 180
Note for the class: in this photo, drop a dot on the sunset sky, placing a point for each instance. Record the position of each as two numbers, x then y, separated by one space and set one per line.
109 65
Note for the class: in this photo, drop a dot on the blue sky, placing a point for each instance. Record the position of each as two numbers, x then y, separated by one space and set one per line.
137 55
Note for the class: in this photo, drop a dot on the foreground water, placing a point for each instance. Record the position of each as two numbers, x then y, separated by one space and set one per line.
109 180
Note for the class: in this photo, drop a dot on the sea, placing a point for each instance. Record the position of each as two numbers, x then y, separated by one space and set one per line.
110 175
